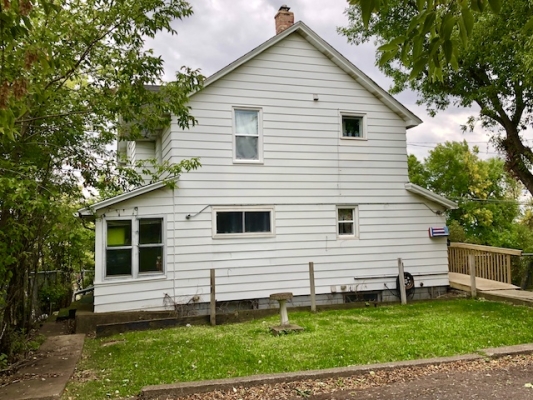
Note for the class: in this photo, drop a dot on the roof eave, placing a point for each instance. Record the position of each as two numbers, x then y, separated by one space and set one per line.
429 195
92 209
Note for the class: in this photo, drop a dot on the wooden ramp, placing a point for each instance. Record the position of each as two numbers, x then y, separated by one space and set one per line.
462 282
492 290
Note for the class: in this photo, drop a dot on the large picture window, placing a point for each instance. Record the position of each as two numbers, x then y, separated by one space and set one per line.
247 129
236 222
130 254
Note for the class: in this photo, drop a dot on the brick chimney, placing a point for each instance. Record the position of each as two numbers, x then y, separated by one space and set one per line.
284 19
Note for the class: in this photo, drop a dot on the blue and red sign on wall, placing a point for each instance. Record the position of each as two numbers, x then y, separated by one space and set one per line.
438 231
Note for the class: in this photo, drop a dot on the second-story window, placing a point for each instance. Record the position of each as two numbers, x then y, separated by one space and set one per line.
353 126
247 135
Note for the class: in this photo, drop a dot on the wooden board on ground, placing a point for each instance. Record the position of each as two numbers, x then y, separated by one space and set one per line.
515 294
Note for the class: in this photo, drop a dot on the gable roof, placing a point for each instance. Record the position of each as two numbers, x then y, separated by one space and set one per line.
91 210
411 120
429 195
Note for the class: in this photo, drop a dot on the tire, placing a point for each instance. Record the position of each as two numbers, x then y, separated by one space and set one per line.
409 282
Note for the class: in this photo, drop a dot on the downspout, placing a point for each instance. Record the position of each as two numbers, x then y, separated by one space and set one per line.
174 242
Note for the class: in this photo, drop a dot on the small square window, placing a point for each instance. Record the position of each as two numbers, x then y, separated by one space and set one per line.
346 222
352 127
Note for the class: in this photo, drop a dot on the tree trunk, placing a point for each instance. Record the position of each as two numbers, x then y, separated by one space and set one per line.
518 156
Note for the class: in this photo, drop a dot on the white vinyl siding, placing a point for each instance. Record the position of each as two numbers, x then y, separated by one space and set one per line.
308 171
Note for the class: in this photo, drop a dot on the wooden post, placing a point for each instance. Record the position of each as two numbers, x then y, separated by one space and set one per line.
213 305
312 283
472 269
509 280
401 276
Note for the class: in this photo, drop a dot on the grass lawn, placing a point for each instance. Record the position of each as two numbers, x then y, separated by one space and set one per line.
121 365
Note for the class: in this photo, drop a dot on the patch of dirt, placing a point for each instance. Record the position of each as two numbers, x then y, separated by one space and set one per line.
454 294
480 379
84 376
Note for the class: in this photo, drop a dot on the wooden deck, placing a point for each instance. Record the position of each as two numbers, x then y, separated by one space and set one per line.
492 290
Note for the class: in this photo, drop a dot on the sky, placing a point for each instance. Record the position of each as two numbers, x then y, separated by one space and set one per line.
220 31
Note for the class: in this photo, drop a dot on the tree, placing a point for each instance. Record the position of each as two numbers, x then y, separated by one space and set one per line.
449 54
444 22
68 70
486 194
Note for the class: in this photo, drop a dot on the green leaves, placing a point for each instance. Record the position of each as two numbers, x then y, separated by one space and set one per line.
69 70
496 5
392 45
481 188
448 50
367 7
528 27
438 23
448 23
468 21
429 20
418 67
462 53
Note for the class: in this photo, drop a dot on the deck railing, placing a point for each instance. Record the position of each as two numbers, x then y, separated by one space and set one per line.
491 262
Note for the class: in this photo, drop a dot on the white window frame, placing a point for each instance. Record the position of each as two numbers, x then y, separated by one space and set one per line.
270 209
131 246
350 114
135 236
259 135
355 221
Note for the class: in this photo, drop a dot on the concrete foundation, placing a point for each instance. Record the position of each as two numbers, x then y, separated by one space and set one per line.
238 311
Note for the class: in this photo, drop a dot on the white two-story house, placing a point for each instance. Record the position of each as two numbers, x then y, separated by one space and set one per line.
303 160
